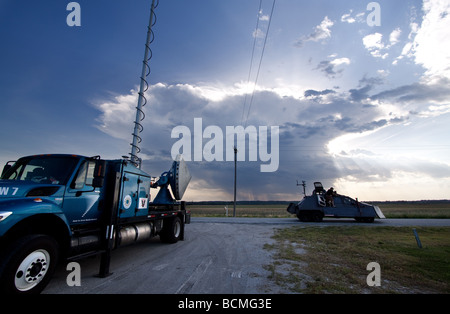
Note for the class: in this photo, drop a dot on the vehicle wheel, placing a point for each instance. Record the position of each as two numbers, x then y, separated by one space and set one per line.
29 265
303 217
317 217
365 219
171 231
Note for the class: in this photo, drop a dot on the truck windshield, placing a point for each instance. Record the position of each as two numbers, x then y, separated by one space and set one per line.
42 169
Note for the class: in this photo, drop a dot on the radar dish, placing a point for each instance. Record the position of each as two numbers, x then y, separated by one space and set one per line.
179 177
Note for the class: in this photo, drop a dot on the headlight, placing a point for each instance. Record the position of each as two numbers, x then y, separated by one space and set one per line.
4 215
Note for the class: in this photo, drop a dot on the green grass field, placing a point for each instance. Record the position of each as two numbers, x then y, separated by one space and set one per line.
415 209
263 211
390 210
335 259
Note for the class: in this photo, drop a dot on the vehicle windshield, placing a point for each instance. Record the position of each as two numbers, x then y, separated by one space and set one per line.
45 169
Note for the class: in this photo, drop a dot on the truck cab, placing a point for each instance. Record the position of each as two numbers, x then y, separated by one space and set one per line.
70 206
50 184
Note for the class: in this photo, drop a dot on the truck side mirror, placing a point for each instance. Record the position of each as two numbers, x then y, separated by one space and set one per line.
99 174
7 167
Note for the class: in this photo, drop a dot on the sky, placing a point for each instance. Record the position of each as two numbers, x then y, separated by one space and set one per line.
358 91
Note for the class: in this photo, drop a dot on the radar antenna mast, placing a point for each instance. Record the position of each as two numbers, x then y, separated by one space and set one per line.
138 128
303 185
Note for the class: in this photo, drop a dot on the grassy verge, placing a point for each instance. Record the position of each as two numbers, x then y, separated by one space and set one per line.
261 211
415 209
390 210
334 259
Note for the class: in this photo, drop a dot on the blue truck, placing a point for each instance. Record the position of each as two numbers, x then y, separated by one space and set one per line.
60 207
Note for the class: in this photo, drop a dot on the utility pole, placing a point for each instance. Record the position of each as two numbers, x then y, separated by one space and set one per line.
235 173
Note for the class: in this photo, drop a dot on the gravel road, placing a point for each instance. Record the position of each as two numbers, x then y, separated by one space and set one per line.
218 256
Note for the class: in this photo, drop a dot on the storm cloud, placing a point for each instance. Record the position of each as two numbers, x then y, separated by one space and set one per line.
307 125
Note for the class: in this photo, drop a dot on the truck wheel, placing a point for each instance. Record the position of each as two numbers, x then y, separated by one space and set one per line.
171 231
29 264
365 219
310 216
317 217
303 217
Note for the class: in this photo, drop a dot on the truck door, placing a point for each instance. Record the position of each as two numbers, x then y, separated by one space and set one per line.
81 200
143 196
135 195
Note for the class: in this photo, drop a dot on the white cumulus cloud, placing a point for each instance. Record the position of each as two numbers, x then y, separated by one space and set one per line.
394 38
374 44
428 43
320 33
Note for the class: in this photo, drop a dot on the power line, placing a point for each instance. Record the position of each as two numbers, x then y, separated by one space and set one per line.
254 87
251 59
260 60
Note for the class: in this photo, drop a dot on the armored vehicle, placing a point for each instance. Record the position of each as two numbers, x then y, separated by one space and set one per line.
323 203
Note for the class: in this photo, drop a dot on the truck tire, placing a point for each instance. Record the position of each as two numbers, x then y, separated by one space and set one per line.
317 216
171 231
365 219
303 216
28 265
310 216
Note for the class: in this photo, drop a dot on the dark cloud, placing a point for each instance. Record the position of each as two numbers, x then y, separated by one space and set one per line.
360 93
437 92
314 93
366 84
329 69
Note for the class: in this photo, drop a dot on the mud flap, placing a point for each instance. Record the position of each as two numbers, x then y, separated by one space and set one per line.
187 218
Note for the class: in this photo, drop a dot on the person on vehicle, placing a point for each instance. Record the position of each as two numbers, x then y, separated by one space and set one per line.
329 197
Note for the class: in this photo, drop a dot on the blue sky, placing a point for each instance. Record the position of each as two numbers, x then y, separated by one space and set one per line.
365 109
